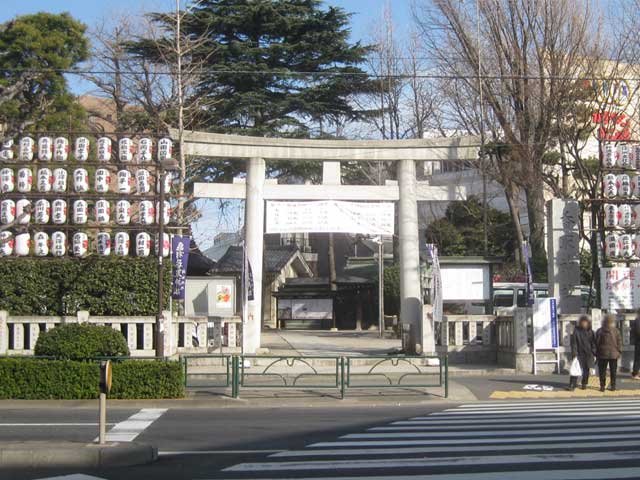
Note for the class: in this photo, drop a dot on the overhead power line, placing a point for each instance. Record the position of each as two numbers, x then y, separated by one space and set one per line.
434 76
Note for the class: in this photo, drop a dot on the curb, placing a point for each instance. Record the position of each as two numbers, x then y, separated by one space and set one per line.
75 454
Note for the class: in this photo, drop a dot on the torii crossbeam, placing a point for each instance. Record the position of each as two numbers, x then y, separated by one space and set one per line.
407 191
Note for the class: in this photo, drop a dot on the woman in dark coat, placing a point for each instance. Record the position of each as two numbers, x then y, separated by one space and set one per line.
608 350
583 347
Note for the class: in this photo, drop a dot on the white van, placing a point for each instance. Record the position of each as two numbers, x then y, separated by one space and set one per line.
507 296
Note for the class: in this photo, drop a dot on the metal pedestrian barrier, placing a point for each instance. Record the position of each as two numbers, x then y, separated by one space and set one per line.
315 372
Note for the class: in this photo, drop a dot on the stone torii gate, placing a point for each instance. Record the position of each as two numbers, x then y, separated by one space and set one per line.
407 191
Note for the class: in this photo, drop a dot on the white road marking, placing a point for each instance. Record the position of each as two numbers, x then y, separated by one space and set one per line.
129 429
608 411
526 439
527 424
492 420
467 448
433 462
581 474
492 433
540 403
214 452
51 424
538 414
75 476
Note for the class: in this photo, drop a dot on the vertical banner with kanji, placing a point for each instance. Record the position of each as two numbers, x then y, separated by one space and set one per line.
180 259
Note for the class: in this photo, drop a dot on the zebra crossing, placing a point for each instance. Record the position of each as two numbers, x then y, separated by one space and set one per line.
583 440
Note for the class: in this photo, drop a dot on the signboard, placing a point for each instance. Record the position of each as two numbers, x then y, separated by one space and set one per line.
224 296
545 323
619 288
465 282
330 216
180 258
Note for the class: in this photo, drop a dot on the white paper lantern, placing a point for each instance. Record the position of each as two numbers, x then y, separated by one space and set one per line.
80 180
165 149
25 180
61 149
610 215
6 154
45 180
7 211
58 244
166 245
612 246
609 188
80 213
59 180
45 149
6 243
103 212
43 211
143 181
623 155
626 245
22 244
103 243
143 244
27 147
104 149
146 212
102 180
123 212
608 155
80 244
23 211
124 181
625 216
41 244
59 211
81 149
145 150
126 150
7 180
623 185
122 244
166 217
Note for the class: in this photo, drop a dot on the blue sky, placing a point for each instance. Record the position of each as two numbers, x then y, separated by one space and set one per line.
91 12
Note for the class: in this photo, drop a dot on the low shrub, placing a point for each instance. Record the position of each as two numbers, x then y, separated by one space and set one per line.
74 341
36 379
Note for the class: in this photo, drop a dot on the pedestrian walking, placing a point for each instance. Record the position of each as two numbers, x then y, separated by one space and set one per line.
583 350
608 350
635 333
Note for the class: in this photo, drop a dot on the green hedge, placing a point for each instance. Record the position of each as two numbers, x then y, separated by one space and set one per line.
35 379
75 341
103 286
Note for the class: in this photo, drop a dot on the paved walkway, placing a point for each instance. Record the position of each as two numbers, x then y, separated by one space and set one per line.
322 342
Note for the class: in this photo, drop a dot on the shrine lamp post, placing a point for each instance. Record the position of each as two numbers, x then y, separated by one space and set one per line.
165 167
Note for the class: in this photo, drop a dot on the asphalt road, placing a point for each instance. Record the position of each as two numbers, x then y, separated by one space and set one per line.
558 439
226 436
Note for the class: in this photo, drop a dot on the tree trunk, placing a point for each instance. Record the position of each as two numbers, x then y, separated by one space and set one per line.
535 211
514 210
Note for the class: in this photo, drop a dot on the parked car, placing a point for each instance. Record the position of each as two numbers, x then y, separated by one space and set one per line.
507 296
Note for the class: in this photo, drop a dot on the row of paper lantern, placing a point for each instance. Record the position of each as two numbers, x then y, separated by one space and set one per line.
622 155
43 211
56 180
57 245
625 246
57 149
623 186
625 216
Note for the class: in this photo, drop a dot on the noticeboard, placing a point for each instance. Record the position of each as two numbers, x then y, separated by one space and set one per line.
545 324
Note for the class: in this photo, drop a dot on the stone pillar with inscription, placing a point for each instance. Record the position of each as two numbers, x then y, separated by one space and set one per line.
563 251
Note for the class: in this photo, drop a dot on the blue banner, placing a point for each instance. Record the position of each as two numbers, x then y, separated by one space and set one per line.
180 259
553 312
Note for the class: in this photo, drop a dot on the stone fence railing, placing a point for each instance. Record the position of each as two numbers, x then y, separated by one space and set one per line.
19 334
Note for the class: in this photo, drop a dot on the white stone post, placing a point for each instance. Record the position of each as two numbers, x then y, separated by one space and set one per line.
254 240
4 332
83 316
422 339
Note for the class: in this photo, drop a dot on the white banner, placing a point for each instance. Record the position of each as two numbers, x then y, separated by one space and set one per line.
619 288
330 216
545 324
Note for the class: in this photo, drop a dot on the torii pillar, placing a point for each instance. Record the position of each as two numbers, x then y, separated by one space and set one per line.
408 191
